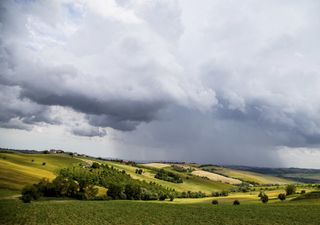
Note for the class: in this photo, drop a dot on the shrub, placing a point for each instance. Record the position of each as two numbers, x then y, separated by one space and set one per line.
139 171
290 189
90 192
264 198
133 191
282 196
95 165
171 196
303 191
215 202
236 202
44 163
116 191
162 196
32 160
30 193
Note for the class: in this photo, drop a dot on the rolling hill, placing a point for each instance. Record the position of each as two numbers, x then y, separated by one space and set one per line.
19 169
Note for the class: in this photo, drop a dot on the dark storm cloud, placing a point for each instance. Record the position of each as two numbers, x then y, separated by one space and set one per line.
216 81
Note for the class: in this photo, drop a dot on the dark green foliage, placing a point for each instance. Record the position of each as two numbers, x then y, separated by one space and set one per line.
290 189
133 191
139 171
190 194
182 169
282 196
168 176
171 196
95 165
215 202
264 198
116 191
162 196
236 202
30 193
218 194
44 163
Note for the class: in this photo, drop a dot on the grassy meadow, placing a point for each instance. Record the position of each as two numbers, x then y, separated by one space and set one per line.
19 169
138 212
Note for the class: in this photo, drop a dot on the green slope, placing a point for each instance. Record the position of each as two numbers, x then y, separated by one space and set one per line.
18 169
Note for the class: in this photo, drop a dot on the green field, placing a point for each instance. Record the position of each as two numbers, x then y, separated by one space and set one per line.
19 169
138 212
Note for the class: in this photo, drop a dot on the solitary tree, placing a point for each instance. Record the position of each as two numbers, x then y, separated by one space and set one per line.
282 196
264 198
290 189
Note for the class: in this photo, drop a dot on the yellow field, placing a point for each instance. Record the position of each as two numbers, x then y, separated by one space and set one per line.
216 177
156 165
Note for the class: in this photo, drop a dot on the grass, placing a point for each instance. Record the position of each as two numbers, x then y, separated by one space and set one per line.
18 169
138 212
190 183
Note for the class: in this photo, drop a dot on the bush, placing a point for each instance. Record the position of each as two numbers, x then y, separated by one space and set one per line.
282 196
139 171
30 193
171 196
44 163
95 165
89 192
162 196
303 191
236 202
215 202
116 191
264 198
290 189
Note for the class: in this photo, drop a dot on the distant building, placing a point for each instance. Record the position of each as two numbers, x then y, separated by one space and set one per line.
56 151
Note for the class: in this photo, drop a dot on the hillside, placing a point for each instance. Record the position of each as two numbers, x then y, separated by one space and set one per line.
19 169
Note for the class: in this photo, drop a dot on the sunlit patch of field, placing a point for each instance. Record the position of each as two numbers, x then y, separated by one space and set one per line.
216 177
156 165
18 169
252 176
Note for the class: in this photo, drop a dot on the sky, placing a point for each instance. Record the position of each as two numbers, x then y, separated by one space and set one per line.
211 81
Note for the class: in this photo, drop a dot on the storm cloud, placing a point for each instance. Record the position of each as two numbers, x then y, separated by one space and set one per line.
214 81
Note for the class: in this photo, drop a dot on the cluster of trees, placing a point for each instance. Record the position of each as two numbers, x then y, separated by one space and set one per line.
218 194
139 171
191 194
182 169
168 176
80 183
59 187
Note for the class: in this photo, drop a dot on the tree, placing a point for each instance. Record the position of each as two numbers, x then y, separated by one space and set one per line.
282 196
95 165
116 191
30 193
215 202
290 189
264 198
236 202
